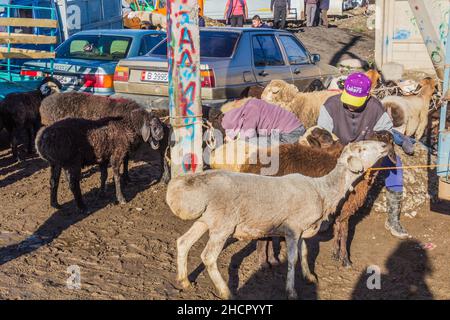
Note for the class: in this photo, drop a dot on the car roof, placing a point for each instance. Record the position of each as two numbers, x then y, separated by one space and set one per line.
119 32
243 30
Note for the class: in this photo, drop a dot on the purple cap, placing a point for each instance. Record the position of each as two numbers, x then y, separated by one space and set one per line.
356 90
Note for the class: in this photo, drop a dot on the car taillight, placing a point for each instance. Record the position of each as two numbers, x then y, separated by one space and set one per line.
31 73
98 81
122 74
208 78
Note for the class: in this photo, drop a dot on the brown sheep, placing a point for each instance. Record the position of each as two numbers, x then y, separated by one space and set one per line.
315 162
305 105
410 113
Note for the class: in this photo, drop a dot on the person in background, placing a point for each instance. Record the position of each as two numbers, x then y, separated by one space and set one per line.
280 9
258 118
258 23
201 20
236 12
324 7
353 116
311 8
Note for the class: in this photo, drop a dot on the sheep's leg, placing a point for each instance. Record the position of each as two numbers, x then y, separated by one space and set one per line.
116 172
184 244
271 254
165 165
343 253
74 184
126 177
292 242
209 257
261 252
423 121
14 144
55 174
103 178
336 240
30 132
307 274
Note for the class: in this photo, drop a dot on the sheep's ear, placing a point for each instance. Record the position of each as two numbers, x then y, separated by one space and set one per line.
45 89
275 89
146 132
355 164
313 142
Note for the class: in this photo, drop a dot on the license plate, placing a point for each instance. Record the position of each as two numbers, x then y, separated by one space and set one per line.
66 80
154 76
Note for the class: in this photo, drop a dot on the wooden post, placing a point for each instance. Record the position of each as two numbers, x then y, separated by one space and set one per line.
184 86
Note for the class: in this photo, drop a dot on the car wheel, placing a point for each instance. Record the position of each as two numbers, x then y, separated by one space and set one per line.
316 85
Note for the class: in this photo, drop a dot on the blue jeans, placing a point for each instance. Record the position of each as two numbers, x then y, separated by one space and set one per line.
394 177
293 136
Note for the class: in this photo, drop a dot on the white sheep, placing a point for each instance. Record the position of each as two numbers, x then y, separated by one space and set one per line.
305 105
410 113
244 206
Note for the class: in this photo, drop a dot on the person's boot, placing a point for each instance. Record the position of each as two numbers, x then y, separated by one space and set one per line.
394 206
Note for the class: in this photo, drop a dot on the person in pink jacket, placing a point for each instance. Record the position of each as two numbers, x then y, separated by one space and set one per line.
236 12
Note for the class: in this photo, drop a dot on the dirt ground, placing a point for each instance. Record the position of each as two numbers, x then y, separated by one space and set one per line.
345 39
128 251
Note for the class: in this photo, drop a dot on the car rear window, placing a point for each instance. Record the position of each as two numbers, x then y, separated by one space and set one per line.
214 44
95 47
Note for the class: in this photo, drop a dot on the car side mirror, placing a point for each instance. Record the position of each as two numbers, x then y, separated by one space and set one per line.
315 58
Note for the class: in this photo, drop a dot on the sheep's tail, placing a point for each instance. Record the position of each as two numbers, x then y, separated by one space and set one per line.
184 199
40 143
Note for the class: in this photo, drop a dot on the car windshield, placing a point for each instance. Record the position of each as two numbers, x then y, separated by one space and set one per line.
95 47
217 44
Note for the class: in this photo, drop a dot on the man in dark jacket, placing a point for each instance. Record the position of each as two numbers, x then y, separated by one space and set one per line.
354 116
258 23
280 9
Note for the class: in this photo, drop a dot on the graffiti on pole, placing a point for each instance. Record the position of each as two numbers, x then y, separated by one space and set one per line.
184 81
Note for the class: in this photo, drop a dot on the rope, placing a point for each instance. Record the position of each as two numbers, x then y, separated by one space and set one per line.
367 175
211 141
184 125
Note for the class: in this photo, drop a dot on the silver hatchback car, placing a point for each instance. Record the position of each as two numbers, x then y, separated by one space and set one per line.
232 60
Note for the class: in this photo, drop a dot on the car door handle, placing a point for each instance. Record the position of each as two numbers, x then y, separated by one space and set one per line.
297 71
263 74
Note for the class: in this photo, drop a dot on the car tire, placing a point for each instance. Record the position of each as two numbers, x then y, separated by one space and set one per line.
316 85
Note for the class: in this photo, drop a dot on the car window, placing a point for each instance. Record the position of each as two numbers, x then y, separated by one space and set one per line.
95 47
217 44
294 50
149 42
266 51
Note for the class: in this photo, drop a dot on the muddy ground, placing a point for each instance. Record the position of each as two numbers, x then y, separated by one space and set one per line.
128 251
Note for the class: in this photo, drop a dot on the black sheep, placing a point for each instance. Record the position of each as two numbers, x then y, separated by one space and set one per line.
85 106
72 144
19 112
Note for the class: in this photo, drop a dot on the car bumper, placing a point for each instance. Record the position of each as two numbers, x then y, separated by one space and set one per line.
159 102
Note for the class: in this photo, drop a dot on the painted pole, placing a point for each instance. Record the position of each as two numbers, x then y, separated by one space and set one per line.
184 86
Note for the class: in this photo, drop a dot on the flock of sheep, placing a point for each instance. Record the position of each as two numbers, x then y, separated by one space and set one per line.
314 175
